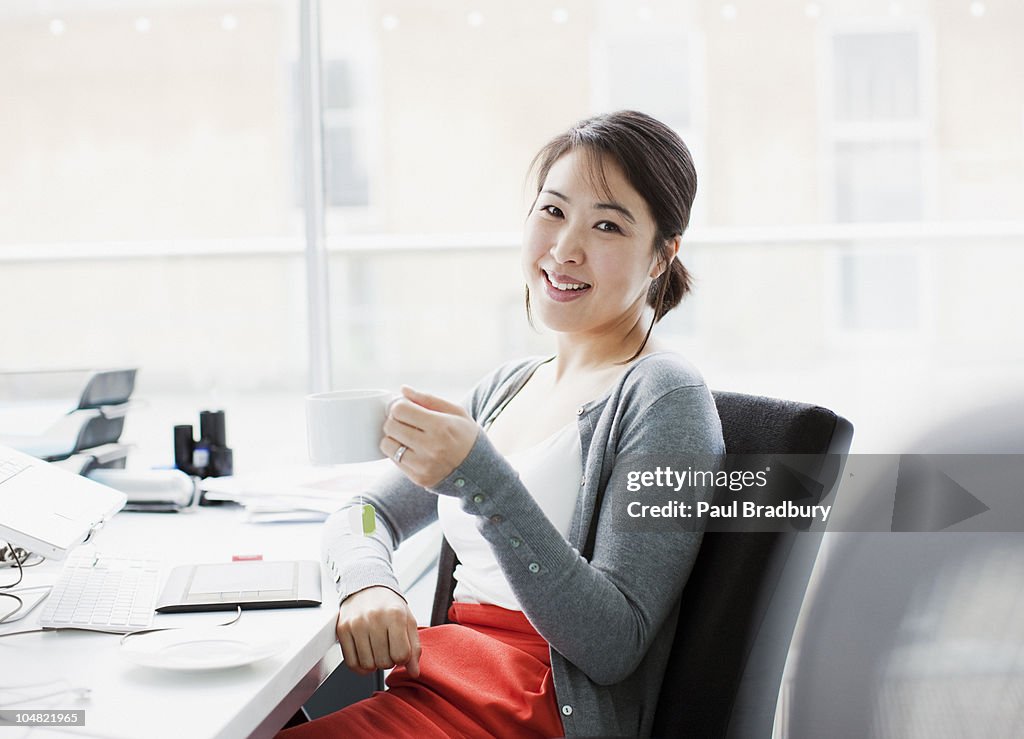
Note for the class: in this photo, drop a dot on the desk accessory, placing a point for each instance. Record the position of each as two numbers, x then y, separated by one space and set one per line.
103 592
80 430
105 457
75 389
249 584
209 455
151 490
55 413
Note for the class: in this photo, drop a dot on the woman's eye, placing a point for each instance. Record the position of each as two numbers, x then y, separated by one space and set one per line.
608 227
552 210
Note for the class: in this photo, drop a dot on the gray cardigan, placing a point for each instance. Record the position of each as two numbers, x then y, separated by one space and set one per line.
609 616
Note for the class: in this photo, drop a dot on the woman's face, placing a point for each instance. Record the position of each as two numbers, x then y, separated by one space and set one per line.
588 257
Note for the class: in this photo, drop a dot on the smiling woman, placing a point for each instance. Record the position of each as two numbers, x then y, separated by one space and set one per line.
561 621
627 179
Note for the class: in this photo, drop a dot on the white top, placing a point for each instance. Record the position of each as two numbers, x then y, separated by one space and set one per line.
551 471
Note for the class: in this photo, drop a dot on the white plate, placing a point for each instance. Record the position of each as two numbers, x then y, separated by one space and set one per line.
208 648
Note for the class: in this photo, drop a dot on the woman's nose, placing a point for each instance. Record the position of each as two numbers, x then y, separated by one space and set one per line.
568 247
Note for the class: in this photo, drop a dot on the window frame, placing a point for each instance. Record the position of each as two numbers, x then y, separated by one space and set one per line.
920 130
362 115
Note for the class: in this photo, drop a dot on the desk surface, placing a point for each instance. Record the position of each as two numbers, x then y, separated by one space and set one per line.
130 701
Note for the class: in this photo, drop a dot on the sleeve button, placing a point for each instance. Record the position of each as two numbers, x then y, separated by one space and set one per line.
514 542
534 568
459 482
579 411
478 498
496 519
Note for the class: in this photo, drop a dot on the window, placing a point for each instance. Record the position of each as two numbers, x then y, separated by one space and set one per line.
631 83
346 178
880 291
877 127
345 137
878 181
876 77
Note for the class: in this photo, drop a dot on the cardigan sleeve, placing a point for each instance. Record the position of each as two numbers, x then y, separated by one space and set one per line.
401 509
602 614
356 562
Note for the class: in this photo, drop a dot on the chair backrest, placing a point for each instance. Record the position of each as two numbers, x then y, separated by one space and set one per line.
741 601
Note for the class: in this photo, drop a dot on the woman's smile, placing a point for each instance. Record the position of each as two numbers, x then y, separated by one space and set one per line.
563 288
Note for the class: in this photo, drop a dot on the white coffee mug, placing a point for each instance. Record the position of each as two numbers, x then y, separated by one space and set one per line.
346 425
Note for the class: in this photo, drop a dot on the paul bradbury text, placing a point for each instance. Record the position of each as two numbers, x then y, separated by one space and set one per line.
735 509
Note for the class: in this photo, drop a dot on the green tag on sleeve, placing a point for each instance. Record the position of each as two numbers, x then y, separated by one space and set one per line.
362 519
369 519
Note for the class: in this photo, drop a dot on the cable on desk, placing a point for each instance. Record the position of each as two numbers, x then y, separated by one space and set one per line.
234 620
11 557
17 562
80 693
17 608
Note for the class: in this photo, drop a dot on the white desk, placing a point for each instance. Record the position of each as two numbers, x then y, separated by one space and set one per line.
131 702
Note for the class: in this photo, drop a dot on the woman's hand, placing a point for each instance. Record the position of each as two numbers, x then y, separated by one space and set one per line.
433 435
377 631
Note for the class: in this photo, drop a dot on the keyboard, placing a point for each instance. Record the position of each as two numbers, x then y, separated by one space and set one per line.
103 592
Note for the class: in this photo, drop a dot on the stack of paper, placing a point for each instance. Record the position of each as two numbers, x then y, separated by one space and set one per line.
294 494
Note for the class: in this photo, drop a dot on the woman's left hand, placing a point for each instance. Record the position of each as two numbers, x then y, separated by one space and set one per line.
433 434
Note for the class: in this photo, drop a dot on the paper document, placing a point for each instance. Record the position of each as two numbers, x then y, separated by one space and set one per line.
298 493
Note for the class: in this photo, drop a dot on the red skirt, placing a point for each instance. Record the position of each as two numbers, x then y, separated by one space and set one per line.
486 674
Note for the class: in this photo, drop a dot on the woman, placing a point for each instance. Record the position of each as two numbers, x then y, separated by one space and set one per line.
563 616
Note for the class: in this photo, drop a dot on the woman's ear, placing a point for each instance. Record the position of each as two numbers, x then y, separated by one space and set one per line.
664 259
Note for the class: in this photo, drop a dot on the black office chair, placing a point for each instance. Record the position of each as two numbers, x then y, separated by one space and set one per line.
741 601
740 604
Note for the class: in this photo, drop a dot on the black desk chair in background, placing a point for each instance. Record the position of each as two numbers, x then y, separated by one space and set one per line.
741 602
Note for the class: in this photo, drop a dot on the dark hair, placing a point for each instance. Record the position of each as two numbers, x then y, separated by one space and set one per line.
657 165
